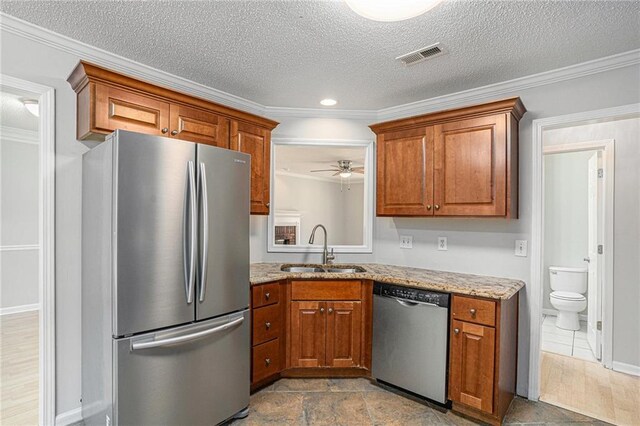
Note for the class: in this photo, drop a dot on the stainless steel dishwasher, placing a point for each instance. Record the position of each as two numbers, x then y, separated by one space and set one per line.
410 339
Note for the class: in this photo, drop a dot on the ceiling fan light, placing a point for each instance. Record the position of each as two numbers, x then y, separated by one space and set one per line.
391 10
32 106
345 174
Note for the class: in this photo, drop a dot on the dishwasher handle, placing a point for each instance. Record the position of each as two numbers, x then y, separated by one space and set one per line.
409 303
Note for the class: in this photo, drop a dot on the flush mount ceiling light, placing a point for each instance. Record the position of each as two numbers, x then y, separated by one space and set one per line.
328 102
391 10
32 106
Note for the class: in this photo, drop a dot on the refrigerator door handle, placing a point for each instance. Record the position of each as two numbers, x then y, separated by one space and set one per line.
205 231
186 338
189 235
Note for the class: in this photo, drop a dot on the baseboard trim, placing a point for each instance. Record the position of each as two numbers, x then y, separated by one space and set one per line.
18 309
554 313
622 367
69 417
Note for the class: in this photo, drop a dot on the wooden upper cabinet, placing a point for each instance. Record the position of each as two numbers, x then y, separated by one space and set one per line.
470 168
197 125
461 162
471 368
405 184
255 141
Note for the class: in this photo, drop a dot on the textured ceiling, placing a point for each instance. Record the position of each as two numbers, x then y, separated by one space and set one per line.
294 53
14 114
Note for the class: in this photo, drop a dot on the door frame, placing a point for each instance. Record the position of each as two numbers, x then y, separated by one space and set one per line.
537 227
46 233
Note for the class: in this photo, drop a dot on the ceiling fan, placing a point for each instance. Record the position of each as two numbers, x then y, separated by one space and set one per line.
343 169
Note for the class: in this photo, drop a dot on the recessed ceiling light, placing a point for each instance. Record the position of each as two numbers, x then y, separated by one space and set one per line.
391 10
328 102
32 106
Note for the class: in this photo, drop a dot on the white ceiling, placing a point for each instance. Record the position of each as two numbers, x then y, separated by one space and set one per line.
301 159
294 53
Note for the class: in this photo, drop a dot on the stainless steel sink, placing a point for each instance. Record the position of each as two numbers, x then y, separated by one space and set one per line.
301 269
346 270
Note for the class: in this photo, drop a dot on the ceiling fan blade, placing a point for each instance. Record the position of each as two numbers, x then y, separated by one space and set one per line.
357 169
360 172
336 173
324 170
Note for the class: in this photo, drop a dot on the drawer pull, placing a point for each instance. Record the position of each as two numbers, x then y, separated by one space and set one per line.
456 330
267 295
330 310
473 312
267 361
267 325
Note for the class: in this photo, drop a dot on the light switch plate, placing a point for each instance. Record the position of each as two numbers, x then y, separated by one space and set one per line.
406 241
521 248
442 243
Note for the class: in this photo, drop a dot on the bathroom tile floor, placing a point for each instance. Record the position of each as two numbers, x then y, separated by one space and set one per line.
566 342
363 402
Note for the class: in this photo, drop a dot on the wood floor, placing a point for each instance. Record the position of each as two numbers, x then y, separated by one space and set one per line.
19 369
589 388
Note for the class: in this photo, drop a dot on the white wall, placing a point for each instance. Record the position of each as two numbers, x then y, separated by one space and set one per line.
19 172
478 246
626 264
566 214
322 201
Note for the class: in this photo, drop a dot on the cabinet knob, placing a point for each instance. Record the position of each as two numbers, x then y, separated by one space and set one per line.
456 330
267 295
428 206
164 130
174 132
437 206
268 204
267 361
268 325
321 310
330 310
473 312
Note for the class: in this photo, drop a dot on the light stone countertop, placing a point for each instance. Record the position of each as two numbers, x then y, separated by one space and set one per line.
449 282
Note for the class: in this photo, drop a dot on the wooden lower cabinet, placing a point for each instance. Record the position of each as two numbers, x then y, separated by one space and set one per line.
308 331
483 356
344 328
267 333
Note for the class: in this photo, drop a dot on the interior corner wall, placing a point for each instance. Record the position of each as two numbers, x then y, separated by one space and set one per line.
479 246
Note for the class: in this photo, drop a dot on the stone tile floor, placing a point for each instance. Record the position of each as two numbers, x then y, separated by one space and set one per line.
363 402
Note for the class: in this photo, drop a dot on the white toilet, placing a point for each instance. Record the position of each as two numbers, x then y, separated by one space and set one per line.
568 286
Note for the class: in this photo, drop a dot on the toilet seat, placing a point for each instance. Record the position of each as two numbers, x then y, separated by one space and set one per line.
569 296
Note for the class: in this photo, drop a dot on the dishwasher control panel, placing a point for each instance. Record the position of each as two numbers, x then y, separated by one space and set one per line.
412 294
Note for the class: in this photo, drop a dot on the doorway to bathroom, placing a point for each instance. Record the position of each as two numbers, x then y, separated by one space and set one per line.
578 360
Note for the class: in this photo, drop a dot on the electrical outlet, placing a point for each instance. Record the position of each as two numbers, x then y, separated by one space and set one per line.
406 241
521 248
442 243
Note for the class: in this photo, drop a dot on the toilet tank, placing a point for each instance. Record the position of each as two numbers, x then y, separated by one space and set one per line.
573 280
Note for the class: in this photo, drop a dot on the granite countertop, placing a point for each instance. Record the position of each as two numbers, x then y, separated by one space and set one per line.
449 282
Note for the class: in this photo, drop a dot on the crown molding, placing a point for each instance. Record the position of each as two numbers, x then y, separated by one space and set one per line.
19 135
510 87
346 114
464 98
123 65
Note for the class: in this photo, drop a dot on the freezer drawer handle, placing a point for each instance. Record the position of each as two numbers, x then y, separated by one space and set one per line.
205 231
185 338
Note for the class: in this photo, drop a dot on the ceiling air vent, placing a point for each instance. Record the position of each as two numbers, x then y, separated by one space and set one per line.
421 54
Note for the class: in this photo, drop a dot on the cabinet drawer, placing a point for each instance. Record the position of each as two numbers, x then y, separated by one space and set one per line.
263 295
266 323
478 311
266 360
326 290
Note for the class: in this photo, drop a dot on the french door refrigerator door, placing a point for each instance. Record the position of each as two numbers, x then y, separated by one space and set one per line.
154 238
196 374
224 202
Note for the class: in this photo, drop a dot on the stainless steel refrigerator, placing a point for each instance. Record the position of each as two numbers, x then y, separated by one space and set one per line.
165 282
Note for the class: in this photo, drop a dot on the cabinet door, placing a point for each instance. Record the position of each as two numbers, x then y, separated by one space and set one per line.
405 173
308 334
470 161
255 141
197 125
471 374
122 109
344 331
